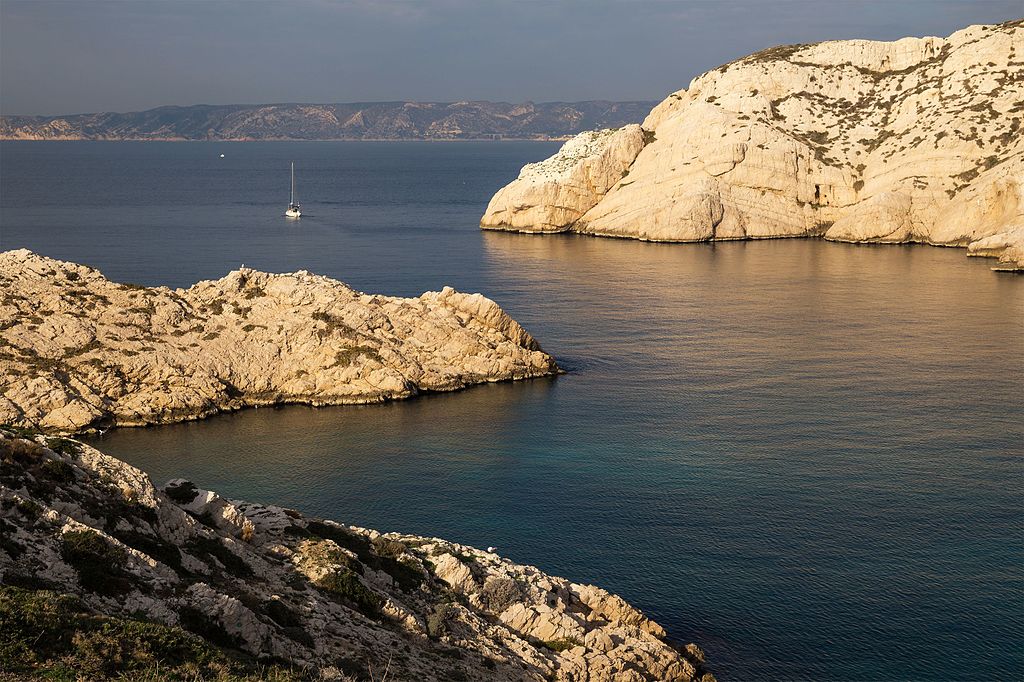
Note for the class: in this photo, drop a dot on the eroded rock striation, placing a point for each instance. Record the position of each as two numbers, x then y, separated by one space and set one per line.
79 351
187 580
917 140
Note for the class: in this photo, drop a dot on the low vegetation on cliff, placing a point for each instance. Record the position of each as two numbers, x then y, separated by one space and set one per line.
79 351
102 574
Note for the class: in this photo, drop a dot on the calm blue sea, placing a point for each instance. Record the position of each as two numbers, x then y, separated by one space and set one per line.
807 457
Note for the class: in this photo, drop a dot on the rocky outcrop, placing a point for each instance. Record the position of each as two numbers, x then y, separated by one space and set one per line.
556 192
80 351
1007 246
360 121
918 140
334 601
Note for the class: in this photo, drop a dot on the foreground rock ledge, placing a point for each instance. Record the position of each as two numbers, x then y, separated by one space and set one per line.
80 351
917 140
330 600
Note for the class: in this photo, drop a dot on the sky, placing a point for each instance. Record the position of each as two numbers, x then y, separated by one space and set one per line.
78 56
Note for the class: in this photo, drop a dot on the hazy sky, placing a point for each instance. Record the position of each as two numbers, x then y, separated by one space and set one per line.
70 56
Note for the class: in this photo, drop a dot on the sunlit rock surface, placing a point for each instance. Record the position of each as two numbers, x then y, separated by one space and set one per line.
338 601
77 350
917 140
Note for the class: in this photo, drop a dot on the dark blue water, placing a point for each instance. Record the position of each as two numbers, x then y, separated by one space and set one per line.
808 457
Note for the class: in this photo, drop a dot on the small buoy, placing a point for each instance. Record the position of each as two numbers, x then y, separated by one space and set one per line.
222 156
492 549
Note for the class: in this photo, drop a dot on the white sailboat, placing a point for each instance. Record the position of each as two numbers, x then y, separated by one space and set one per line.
293 208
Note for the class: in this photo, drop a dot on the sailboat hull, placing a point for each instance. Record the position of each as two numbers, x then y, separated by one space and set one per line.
293 208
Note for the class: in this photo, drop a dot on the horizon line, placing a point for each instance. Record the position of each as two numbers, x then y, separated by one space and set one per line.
351 103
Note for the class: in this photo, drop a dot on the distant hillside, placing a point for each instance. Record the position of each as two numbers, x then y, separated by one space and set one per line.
357 121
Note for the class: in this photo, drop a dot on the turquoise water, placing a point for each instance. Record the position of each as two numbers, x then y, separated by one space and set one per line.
805 456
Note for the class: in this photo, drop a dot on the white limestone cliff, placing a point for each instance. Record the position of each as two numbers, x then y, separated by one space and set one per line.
77 350
553 193
917 140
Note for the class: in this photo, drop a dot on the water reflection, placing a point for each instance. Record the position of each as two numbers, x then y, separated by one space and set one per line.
766 445
773 447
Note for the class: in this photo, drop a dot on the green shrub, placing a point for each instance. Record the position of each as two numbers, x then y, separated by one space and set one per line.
98 563
54 636
64 446
407 574
346 584
29 509
254 292
440 620
500 593
347 356
20 431
560 645
58 470
389 548
408 577
334 323
342 536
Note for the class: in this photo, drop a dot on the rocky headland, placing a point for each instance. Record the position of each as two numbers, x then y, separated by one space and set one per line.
102 574
917 140
78 351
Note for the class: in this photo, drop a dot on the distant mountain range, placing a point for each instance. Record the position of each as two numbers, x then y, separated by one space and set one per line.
356 121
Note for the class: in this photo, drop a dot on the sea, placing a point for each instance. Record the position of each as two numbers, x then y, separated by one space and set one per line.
807 457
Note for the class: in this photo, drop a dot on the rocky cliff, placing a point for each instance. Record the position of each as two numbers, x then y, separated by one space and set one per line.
79 351
101 574
359 121
918 140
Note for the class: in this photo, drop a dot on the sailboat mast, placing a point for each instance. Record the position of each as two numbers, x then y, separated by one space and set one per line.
291 200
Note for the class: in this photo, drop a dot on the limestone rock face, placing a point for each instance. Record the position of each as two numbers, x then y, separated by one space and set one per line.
550 195
344 602
77 350
917 140
1008 246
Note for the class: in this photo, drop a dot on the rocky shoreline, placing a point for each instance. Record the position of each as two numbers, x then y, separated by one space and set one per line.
78 351
914 141
103 574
